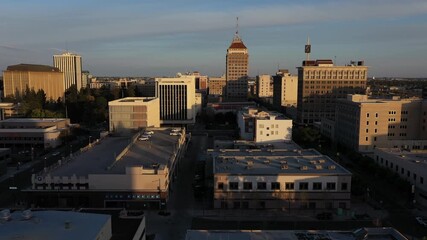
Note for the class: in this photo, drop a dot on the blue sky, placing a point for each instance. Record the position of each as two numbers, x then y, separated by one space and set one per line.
160 38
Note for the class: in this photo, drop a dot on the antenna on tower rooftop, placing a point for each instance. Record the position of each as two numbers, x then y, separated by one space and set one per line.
307 49
237 25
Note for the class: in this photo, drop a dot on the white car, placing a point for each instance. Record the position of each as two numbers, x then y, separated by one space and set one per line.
143 139
175 134
148 133
56 153
175 130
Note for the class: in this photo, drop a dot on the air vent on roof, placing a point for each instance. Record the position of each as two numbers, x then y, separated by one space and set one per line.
313 162
283 162
332 167
249 167
250 163
267 161
322 161
284 166
27 214
5 215
299 151
319 167
304 168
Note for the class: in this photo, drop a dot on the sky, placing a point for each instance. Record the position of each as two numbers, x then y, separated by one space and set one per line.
161 38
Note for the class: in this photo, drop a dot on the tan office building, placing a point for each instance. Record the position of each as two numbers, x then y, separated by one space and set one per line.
217 86
365 124
71 65
133 113
17 78
237 62
264 86
285 89
320 83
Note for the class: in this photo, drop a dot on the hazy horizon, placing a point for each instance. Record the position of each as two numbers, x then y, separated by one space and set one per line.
151 38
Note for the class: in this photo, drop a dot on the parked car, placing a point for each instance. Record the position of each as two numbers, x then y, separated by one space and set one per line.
148 133
175 130
175 133
56 153
143 139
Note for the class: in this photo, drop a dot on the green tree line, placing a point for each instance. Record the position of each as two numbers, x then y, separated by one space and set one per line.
87 107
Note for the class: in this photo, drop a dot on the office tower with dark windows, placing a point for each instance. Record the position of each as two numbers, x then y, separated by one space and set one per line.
71 65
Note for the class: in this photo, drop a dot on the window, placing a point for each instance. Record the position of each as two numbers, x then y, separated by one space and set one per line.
344 186
367 115
247 186
415 176
367 122
317 186
234 185
289 186
408 173
275 186
421 180
366 138
330 186
221 186
303 186
261 185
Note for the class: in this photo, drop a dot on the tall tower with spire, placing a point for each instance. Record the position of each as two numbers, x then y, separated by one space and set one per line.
237 61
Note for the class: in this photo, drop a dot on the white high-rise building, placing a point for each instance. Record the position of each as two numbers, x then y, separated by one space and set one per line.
71 65
177 99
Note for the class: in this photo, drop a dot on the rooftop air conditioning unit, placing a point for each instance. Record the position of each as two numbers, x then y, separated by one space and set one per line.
319 167
267 161
332 167
5 215
27 214
304 168
284 166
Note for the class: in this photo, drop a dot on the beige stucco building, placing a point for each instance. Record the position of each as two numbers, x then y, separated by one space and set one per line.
364 124
409 164
264 86
17 78
263 127
33 132
285 89
133 113
283 178
217 85
320 83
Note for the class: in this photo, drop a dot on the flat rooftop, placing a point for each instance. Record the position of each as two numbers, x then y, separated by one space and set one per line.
417 158
370 233
101 156
133 100
33 120
51 225
157 150
274 162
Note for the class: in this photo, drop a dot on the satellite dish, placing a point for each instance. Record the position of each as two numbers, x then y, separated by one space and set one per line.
178 74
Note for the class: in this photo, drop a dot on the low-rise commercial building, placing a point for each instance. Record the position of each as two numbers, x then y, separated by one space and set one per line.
55 225
263 127
283 178
115 172
129 114
365 233
410 165
33 132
